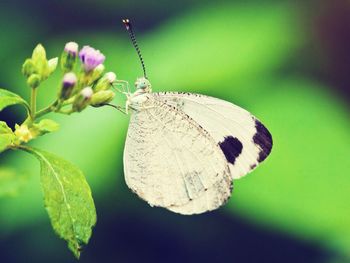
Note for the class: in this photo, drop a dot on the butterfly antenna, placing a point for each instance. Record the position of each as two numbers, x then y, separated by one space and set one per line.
130 30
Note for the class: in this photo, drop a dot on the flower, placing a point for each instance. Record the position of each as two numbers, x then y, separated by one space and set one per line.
91 58
23 133
71 48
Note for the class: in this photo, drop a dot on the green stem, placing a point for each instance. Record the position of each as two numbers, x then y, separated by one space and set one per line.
69 101
50 108
33 103
56 107
25 148
66 111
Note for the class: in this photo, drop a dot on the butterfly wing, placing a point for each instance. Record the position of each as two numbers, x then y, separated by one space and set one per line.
170 161
243 138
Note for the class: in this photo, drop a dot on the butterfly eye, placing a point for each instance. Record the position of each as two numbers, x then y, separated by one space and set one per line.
142 83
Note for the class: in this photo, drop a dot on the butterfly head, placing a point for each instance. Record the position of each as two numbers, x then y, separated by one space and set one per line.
143 84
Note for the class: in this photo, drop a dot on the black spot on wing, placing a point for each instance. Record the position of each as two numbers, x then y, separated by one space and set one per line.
232 148
252 166
263 139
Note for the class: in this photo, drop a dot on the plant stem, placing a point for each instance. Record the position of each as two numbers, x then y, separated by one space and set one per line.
55 106
66 111
46 110
33 103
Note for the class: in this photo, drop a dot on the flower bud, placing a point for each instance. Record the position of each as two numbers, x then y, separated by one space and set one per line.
34 81
82 100
68 83
52 65
106 81
71 48
28 67
39 55
96 73
102 97
69 56
111 77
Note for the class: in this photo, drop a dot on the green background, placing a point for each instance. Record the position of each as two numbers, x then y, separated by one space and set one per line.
284 61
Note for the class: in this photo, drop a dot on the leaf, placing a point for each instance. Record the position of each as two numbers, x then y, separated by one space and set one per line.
6 136
67 198
8 98
11 182
46 126
4 128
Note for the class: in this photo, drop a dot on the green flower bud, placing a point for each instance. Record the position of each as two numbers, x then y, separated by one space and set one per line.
40 62
39 54
97 73
52 65
82 100
106 81
28 67
68 83
34 81
69 56
102 97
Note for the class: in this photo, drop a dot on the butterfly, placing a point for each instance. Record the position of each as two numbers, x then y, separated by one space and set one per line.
184 150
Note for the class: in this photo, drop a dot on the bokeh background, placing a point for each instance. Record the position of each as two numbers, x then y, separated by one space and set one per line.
288 62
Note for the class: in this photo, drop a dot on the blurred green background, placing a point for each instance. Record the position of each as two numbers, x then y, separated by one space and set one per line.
288 62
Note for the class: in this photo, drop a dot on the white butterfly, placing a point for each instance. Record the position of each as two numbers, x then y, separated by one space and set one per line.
183 150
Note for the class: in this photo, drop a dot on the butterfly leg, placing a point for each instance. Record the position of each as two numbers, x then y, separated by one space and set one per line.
120 88
119 108
124 84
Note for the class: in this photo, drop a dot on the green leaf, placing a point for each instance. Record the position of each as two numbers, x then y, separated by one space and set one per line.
8 98
68 199
6 136
4 128
5 141
46 126
11 182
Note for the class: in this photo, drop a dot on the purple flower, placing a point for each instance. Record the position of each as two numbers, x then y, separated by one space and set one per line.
91 58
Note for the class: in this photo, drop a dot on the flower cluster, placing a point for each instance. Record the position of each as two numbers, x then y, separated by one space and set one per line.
88 85
84 83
